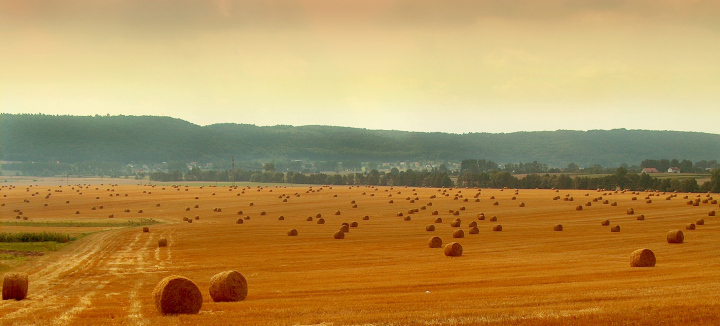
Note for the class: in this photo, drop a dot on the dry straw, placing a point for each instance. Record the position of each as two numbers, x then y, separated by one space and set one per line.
435 242
228 286
453 249
177 295
15 286
675 236
642 258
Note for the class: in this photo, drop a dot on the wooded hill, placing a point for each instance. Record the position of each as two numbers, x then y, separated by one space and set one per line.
150 139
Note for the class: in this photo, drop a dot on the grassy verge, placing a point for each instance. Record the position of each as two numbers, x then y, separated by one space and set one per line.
129 223
15 248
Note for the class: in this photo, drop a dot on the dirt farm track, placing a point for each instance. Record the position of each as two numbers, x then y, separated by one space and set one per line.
383 272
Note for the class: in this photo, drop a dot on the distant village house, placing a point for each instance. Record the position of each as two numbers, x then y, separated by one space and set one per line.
650 170
674 170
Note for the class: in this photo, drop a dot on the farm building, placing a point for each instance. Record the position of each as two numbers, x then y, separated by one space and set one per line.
650 170
674 170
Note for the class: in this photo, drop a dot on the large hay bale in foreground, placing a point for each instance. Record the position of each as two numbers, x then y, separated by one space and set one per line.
558 227
453 249
690 226
458 234
292 233
675 236
177 295
642 258
162 242
15 286
615 228
435 242
339 235
228 286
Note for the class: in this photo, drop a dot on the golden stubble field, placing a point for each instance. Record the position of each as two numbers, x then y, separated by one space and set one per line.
383 272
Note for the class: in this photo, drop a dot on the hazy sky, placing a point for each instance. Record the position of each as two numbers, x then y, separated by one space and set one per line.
453 66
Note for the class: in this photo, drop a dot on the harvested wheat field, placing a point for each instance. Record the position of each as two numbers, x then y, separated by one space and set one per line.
383 272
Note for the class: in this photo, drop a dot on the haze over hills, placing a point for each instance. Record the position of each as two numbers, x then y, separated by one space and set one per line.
150 139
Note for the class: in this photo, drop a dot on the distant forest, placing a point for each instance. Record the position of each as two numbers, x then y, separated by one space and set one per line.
149 139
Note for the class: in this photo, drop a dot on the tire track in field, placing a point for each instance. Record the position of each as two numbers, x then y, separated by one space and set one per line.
67 284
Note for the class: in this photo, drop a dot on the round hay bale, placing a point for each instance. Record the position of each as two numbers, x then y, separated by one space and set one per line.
434 213
605 223
438 220
339 235
455 224
189 220
162 242
473 230
481 217
642 258
353 224
399 214
579 208
472 224
493 218
435 242
630 211
185 218
711 213
281 218
197 217
146 229
690 226
337 212
345 228
453 249
615 228
407 218
496 204
675 236
497 227
700 222
458 234
641 217
321 221
292 233
239 221
239 212
365 218
430 228
177 295
15 286
522 204
558 227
